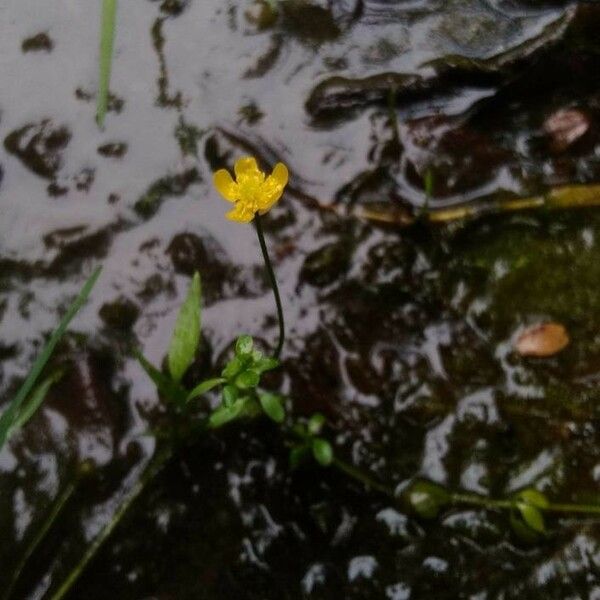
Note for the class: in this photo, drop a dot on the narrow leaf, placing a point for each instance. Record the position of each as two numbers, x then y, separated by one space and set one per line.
427 498
107 42
10 414
204 387
186 335
34 401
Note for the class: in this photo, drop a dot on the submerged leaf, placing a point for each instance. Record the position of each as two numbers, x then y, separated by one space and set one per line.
522 530
532 517
427 498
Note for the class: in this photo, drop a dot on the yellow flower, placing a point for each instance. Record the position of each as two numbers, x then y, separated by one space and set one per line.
251 192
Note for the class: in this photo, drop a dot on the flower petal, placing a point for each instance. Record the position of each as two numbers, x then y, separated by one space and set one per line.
246 168
242 213
273 187
225 185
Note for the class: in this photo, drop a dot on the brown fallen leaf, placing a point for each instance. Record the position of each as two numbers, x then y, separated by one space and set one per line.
543 339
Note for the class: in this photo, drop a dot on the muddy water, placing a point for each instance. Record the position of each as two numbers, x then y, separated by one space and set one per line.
402 336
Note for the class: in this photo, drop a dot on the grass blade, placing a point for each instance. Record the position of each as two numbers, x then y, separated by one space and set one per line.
10 415
40 535
107 43
34 401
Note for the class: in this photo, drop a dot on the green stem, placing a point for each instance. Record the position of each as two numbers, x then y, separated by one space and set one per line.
151 470
57 508
492 503
589 509
273 281
474 500
362 477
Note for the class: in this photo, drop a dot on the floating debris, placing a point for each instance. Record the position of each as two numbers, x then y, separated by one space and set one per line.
542 340
565 127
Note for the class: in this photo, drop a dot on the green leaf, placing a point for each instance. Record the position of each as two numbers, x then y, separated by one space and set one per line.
266 364
186 335
247 380
523 532
166 386
299 429
34 401
532 516
534 498
232 368
322 451
107 42
244 345
225 414
298 455
230 395
427 498
315 424
204 387
273 406
7 419
429 183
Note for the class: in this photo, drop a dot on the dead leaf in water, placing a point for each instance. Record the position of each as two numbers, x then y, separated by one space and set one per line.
565 127
541 340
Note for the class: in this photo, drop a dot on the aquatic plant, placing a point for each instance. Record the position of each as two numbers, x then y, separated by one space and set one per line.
107 42
239 380
252 193
236 393
25 404
241 397
27 400
526 506
253 196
